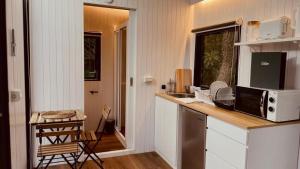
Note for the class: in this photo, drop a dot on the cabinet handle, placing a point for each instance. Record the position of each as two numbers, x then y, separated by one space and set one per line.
1 115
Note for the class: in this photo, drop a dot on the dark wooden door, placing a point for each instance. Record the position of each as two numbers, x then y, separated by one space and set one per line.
4 119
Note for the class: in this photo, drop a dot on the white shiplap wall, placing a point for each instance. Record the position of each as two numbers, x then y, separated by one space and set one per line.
162 39
57 81
212 12
218 11
56 35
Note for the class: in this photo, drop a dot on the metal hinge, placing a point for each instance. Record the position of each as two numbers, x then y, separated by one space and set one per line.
13 43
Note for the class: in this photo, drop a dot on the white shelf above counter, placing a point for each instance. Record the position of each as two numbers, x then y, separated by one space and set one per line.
295 40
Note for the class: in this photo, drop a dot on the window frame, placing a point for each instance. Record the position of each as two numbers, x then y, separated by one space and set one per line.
98 58
199 51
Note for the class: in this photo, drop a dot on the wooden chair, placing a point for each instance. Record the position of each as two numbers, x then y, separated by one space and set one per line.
59 145
87 137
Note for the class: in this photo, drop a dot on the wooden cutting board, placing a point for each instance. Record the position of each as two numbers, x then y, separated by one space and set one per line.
183 77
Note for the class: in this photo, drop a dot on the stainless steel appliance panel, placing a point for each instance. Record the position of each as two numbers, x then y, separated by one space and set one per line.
193 132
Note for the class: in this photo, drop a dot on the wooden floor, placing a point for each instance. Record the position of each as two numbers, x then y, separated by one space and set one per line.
135 161
109 142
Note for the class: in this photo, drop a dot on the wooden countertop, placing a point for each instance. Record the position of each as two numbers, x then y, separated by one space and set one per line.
233 117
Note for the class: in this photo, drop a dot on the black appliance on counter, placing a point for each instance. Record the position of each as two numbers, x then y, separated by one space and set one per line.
268 70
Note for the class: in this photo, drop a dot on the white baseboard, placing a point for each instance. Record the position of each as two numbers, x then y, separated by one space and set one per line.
116 153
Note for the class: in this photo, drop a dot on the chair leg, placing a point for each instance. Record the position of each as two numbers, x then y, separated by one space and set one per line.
67 161
75 159
82 164
92 152
95 160
89 151
49 161
41 162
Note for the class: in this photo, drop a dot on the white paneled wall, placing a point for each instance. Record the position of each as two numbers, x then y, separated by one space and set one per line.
56 26
162 41
14 20
56 35
212 12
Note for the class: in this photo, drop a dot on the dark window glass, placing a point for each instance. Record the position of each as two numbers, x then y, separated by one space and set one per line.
92 56
216 57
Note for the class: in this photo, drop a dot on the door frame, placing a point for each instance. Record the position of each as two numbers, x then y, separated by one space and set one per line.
117 76
130 79
4 96
26 31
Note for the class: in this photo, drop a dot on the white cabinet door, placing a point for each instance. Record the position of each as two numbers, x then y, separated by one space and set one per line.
214 162
166 124
158 124
226 148
170 122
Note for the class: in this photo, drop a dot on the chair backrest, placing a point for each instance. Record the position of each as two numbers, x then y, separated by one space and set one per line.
106 112
105 115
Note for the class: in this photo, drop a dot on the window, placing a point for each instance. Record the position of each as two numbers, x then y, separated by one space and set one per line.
92 56
216 57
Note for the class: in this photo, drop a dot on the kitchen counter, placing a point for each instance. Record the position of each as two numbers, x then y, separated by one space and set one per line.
233 117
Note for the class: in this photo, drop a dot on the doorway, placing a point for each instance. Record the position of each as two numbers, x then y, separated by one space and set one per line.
5 159
100 25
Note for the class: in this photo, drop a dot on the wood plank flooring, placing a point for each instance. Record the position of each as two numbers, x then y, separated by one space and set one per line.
136 161
109 142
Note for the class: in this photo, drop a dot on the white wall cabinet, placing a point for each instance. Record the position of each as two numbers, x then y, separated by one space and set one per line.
166 127
262 148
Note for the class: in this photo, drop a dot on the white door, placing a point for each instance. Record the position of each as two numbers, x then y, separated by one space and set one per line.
15 66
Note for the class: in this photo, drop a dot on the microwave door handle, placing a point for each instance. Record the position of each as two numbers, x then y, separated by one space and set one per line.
262 104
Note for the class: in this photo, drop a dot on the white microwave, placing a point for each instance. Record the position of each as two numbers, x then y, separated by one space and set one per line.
273 105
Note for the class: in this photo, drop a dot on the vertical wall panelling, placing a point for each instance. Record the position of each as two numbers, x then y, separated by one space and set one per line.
162 33
56 54
14 14
163 29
